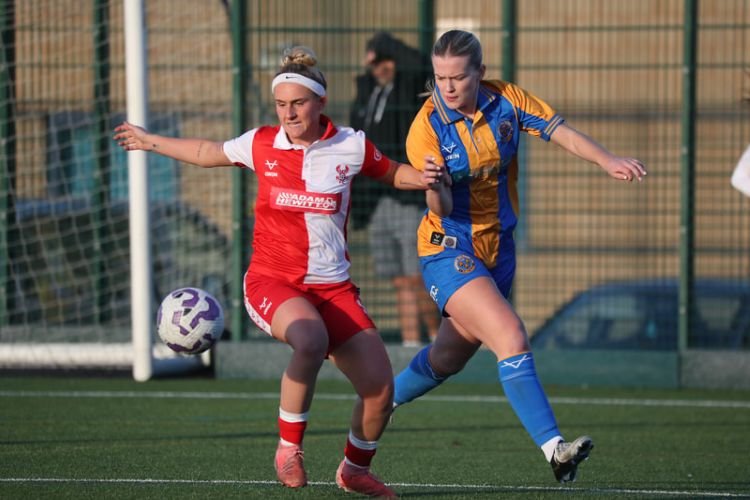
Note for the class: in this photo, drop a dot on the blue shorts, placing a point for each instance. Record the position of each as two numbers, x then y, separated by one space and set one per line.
446 272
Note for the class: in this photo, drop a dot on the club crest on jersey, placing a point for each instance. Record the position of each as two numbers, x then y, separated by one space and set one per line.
377 155
342 170
464 264
505 131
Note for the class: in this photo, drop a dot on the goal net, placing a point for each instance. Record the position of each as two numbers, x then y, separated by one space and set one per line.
65 242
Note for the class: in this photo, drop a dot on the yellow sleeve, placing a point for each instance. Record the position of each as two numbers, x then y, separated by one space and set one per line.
422 139
535 116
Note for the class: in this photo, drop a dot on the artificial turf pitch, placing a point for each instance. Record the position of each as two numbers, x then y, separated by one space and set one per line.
110 437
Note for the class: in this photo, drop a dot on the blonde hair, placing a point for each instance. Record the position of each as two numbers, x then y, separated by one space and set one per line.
302 61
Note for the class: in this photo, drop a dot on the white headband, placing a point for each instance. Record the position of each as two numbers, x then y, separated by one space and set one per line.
300 80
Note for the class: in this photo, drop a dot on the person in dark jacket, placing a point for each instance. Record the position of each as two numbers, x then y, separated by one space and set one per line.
387 100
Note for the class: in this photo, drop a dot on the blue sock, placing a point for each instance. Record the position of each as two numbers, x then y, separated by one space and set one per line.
527 398
416 379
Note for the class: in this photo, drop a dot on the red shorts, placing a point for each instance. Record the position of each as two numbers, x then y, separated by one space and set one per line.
338 304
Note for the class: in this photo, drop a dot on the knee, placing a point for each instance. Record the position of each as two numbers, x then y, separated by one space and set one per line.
313 347
518 339
513 341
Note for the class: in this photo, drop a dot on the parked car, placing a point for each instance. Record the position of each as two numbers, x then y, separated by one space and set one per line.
643 314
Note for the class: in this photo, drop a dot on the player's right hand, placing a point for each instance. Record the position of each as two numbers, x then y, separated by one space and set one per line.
131 137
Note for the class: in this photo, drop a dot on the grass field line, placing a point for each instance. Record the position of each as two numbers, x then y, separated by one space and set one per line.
686 403
430 486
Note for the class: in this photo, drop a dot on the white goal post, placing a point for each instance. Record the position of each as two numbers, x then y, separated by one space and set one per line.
109 356
145 364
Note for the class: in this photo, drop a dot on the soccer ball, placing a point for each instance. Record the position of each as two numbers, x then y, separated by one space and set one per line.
190 320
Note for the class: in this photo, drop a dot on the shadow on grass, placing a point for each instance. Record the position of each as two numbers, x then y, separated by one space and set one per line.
272 434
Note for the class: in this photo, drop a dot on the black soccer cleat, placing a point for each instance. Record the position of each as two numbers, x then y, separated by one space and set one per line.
567 456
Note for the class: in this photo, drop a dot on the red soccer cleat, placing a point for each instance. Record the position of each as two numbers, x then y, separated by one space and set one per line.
360 480
289 467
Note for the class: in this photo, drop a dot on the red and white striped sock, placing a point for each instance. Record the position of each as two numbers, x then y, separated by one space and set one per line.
292 427
359 452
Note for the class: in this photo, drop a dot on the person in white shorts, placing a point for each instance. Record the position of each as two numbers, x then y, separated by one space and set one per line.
297 286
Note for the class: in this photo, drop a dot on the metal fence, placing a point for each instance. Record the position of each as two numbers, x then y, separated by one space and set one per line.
660 80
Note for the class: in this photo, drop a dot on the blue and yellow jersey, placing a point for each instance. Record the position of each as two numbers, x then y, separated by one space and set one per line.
480 156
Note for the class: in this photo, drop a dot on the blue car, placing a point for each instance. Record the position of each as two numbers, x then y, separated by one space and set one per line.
643 315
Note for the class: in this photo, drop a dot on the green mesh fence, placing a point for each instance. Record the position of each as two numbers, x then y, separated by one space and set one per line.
614 70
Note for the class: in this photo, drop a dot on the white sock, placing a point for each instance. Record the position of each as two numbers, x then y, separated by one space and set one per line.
361 443
548 448
288 416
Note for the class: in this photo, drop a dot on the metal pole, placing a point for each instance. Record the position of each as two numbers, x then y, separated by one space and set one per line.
141 278
240 252
7 156
103 131
687 185
508 74
426 26
509 41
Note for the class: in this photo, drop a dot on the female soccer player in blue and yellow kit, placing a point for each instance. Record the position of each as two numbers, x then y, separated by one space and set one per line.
466 247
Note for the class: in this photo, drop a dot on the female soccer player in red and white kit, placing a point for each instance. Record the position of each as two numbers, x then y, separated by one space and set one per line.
297 287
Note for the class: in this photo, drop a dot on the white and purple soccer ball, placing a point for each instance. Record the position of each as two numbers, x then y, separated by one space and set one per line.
190 320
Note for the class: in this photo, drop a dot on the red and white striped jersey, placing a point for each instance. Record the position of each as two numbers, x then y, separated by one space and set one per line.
302 204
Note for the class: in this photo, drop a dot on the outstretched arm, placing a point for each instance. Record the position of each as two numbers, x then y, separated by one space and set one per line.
196 151
404 176
434 179
581 145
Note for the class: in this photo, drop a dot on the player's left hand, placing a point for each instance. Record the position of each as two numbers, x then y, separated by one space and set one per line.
625 169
